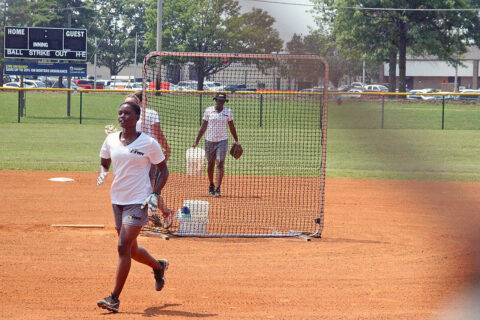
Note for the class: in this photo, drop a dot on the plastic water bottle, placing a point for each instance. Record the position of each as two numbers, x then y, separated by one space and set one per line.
186 212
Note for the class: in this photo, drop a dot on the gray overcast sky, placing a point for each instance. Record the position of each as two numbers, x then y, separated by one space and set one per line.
289 19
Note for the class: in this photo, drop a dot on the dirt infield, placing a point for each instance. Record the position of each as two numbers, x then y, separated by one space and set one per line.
390 250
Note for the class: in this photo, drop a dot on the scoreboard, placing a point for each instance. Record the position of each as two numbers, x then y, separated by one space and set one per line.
45 43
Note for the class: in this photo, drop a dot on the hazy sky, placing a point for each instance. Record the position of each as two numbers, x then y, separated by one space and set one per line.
289 18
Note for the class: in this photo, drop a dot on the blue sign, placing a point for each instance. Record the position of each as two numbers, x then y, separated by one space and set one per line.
46 69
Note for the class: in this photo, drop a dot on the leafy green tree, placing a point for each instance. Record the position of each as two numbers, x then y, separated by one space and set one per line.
117 24
211 26
325 46
381 35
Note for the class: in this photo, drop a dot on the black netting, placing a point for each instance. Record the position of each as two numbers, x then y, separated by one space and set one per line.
276 188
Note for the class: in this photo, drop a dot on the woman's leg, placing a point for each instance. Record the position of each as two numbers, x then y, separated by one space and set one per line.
210 170
221 153
140 254
126 238
220 172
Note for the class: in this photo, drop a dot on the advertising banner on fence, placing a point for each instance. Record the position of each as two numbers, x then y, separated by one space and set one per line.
46 69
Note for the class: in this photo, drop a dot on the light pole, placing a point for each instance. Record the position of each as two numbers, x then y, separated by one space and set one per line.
159 43
159 24
135 69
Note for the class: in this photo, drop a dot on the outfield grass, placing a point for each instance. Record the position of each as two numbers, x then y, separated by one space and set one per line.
411 146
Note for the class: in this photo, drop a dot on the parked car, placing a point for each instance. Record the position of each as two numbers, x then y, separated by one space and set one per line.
235 87
187 85
318 89
344 88
466 96
212 86
375 88
315 89
39 84
105 83
417 94
118 84
86 84
136 85
26 84
65 85
12 85
357 85
352 95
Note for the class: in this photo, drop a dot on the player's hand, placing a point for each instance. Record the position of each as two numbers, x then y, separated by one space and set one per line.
101 178
163 207
110 128
151 201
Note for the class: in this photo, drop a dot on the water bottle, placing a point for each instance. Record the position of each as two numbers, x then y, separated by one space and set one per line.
186 212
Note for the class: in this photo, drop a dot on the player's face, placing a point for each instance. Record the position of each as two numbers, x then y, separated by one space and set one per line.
220 103
127 117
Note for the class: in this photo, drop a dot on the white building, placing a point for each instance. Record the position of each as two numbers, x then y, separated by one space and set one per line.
429 72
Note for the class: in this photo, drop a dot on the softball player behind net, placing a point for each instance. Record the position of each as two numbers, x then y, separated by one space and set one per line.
215 120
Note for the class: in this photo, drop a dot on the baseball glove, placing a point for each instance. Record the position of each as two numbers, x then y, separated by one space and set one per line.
155 220
110 129
236 151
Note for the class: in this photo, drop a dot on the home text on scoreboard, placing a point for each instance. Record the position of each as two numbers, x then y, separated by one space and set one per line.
45 43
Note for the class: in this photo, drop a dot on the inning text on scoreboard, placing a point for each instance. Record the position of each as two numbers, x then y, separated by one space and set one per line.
45 43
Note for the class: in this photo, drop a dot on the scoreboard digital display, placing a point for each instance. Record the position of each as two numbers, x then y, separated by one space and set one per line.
45 43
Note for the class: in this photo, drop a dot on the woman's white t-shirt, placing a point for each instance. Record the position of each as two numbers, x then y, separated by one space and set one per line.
151 117
217 123
131 164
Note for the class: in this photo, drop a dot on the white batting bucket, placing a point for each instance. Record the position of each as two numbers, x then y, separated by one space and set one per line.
197 221
195 158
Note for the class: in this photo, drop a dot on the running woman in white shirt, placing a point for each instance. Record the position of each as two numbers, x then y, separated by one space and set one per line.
215 121
131 153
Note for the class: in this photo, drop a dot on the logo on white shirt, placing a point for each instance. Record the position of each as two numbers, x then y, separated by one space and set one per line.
135 151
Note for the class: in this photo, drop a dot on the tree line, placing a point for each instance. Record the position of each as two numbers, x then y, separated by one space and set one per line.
347 32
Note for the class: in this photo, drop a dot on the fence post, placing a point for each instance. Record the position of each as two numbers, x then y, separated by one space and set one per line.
19 106
443 112
261 108
80 106
383 108
68 103
200 109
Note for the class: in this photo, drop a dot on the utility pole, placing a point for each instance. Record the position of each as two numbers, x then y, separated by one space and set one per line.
69 78
3 47
135 69
159 44
159 24
363 73
95 65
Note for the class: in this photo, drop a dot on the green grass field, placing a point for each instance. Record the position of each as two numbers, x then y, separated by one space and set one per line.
411 146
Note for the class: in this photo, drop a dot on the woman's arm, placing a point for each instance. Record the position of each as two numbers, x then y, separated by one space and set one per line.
103 170
162 177
232 130
202 130
157 130
160 181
